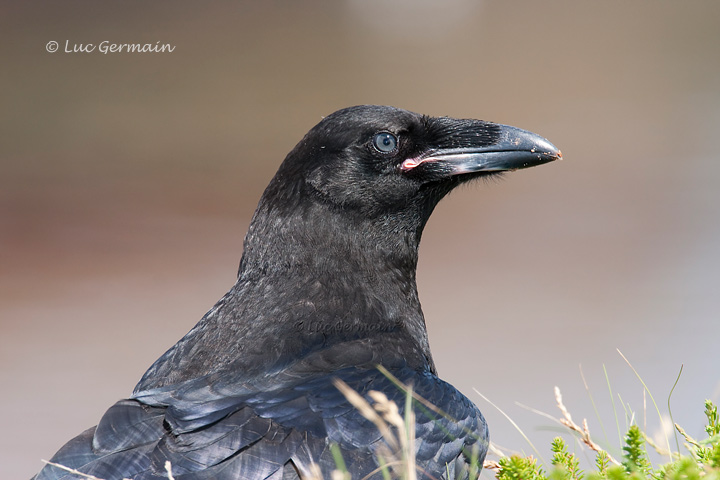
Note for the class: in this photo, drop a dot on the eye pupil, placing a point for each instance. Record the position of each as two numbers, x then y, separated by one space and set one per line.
385 142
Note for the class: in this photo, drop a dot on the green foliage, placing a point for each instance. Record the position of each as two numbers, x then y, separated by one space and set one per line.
602 462
703 462
566 464
339 461
714 457
617 472
684 469
711 412
519 468
706 452
635 456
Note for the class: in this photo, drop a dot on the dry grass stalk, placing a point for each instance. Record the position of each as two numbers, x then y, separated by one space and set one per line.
168 469
76 472
687 437
493 449
366 411
389 410
583 431
660 450
72 470
315 473
403 464
384 413
339 475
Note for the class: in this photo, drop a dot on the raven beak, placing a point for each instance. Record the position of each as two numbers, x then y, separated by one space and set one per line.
514 149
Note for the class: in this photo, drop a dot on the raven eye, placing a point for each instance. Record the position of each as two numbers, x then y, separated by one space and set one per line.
385 142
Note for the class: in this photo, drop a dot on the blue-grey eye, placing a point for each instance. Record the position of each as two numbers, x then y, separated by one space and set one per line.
385 142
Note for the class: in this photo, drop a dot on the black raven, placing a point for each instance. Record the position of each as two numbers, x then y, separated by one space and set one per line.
326 290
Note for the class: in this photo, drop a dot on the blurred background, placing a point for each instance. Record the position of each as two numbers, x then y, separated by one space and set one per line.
128 180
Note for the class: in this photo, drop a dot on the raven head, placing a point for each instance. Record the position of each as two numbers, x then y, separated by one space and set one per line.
364 181
381 160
